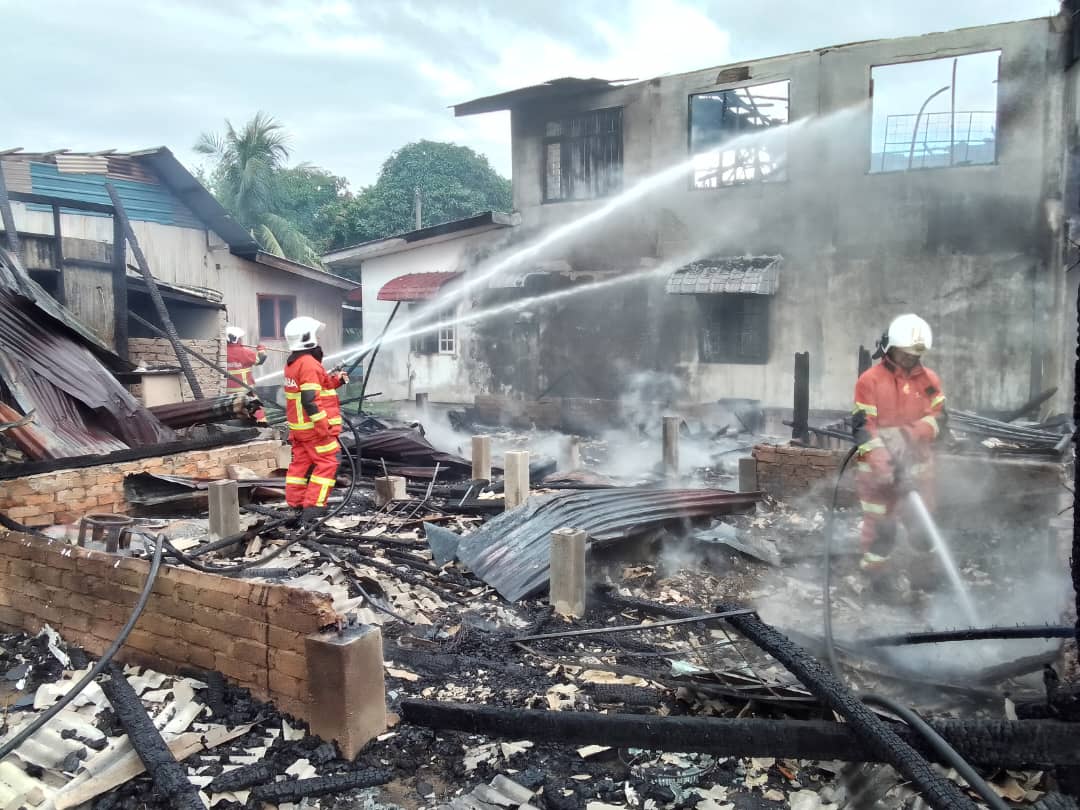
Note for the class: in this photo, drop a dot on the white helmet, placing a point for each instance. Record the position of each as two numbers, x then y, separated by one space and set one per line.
303 333
911 334
234 334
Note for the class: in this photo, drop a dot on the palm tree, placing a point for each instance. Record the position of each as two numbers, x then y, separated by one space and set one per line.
245 179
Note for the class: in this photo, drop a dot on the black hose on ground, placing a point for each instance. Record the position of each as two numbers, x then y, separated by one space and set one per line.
938 791
945 751
304 532
882 741
104 661
972 634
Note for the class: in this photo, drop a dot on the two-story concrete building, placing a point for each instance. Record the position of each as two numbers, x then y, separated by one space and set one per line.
797 203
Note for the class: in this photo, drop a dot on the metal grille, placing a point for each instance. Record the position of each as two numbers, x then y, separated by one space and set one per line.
583 156
935 140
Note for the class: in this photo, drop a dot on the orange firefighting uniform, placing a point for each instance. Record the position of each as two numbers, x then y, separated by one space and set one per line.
313 471
328 399
887 396
241 361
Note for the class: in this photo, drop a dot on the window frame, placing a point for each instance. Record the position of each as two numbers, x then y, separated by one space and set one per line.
562 140
743 85
446 335
278 321
871 171
761 322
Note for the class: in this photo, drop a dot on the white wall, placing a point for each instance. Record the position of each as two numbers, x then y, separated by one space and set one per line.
399 373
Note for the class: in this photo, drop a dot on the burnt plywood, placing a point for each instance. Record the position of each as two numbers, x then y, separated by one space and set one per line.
89 292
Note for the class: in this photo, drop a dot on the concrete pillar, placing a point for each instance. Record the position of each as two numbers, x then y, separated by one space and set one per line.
481 458
348 693
224 499
748 474
571 454
389 488
421 403
567 589
515 478
671 446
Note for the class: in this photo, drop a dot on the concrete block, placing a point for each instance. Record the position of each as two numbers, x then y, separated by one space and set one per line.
224 499
282 456
390 488
748 475
347 689
481 458
671 446
567 588
515 478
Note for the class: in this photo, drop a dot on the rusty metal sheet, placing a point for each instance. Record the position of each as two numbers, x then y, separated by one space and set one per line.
511 552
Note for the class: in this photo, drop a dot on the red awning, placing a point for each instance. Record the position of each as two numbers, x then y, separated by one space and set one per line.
415 286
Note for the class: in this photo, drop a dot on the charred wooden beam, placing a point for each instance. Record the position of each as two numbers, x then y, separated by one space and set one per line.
993 743
801 405
206 411
258 773
170 778
882 740
280 792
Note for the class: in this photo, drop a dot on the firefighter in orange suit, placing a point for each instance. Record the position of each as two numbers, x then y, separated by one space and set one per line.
241 362
313 471
899 407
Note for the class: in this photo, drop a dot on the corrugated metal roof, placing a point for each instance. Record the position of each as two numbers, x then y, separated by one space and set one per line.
142 201
16 175
512 552
122 167
415 286
755 275
82 164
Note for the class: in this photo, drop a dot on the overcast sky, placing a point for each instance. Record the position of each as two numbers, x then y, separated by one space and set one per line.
354 79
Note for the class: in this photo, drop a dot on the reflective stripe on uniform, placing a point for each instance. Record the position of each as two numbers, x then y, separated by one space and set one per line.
318 417
326 448
329 392
325 484
863 466
932 422
918 469
871 410
303 426
873 444
871 561
311 387
938 400
292 479
334 420
871 508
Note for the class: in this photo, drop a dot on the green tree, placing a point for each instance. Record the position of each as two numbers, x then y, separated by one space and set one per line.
454 182
304 192
247 180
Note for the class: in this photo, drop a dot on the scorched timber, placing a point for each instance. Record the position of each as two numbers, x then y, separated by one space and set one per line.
170 778
992 743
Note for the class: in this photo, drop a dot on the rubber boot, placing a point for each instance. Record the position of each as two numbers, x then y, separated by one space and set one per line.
312 514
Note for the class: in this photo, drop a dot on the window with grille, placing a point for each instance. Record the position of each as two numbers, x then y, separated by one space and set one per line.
727 135
436 341
583 156
734 328
935 113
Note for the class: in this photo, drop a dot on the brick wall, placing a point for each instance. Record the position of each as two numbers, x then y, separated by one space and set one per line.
787 471
252 633
64 496
158 353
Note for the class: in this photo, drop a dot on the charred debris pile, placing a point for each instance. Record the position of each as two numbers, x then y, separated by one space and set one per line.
690 679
